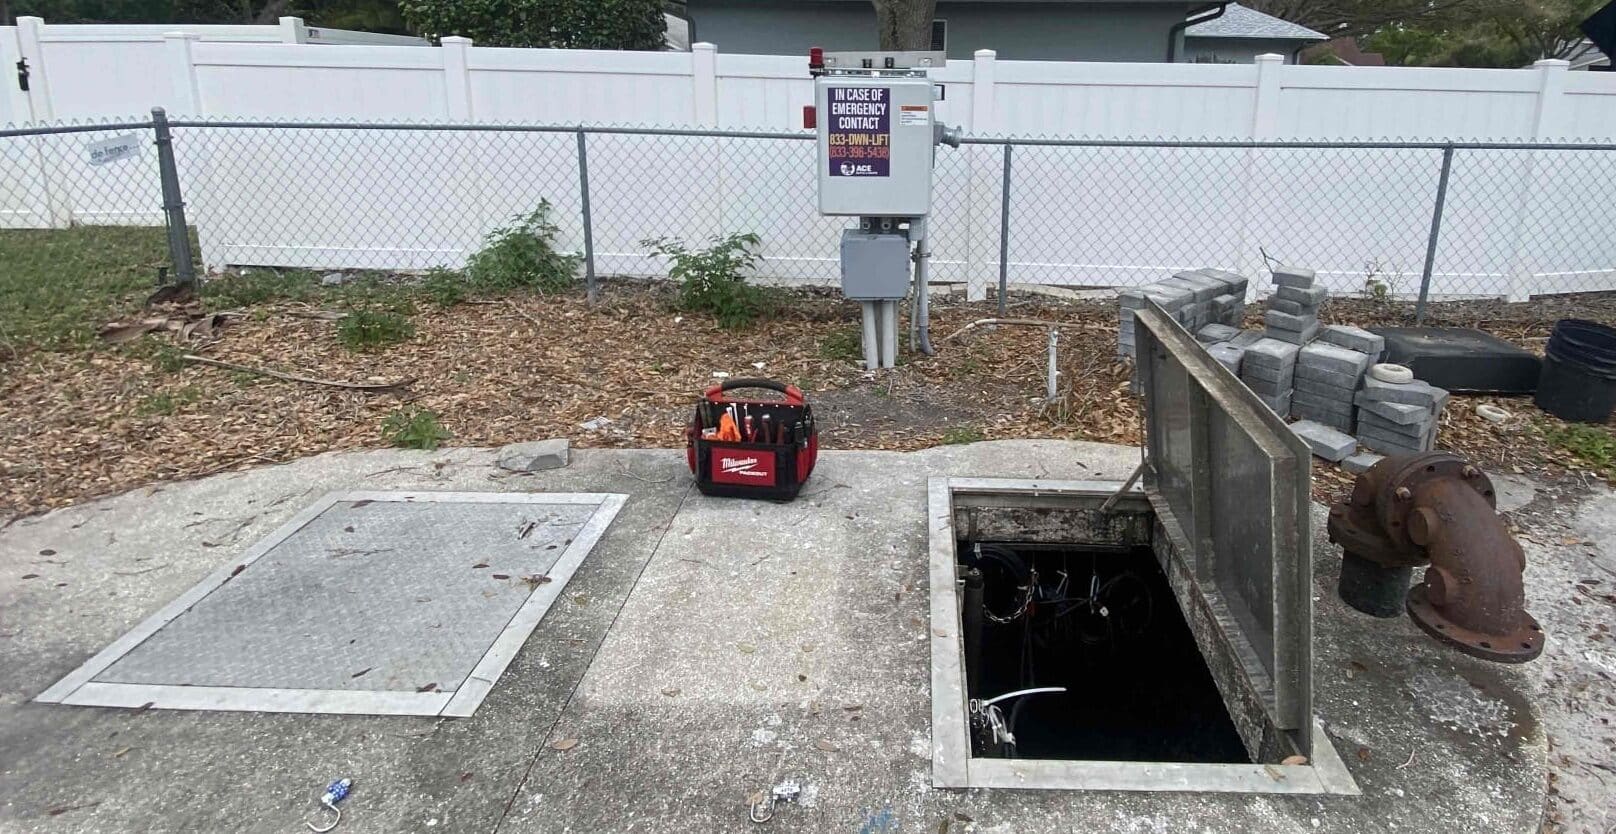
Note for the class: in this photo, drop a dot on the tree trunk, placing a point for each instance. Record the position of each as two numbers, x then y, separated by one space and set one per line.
905 24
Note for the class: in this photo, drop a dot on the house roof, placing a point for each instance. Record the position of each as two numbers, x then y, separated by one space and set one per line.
1237 21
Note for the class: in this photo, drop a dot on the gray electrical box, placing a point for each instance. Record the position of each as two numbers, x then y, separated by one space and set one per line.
875 145
875 266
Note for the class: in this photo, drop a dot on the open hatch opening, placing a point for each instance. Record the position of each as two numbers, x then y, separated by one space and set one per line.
1102 624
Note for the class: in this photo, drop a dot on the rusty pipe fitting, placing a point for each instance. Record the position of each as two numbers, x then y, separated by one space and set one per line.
1435 508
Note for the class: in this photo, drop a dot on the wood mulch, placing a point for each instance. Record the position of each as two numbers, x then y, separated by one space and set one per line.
78 425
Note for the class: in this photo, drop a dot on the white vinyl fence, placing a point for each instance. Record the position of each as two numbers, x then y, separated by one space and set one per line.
1517 220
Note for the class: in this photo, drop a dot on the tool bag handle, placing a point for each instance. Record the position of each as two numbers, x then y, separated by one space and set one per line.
792 393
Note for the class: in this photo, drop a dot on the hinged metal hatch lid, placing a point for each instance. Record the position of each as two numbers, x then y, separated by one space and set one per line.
1230 486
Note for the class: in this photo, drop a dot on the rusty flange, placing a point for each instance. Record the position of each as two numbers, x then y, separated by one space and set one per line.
1436 508
1523 644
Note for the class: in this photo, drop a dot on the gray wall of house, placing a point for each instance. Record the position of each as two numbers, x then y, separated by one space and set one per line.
1238 50
1017 31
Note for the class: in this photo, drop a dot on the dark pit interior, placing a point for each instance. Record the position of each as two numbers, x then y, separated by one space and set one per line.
1103 623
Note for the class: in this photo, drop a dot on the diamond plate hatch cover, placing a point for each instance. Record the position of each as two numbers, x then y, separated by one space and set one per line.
388 603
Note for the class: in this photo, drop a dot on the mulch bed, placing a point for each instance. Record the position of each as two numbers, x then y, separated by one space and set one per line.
77 425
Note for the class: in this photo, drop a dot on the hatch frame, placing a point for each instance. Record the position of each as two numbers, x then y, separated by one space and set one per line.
953 765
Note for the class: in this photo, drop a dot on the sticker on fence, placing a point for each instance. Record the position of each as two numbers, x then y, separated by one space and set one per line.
110 150
860 133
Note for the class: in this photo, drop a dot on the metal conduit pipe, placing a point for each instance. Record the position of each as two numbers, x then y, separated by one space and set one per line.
922 286
1178 28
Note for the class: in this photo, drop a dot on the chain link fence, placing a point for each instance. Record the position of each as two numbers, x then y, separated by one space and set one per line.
1383 219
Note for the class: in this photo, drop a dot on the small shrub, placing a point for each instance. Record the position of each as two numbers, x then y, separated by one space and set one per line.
414 428
846 344
444 287
523 256
713 280
1379 286
164 403
168 358
369 329
1593 445
962 434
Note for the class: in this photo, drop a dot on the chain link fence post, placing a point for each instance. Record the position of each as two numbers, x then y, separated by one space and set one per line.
1436 232
179 233
1004 230
593 293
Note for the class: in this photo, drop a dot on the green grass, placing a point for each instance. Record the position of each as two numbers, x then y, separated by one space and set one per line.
962 434
1593 445
259 286
845 344
372 330
164 403
166 357
59 286
414 428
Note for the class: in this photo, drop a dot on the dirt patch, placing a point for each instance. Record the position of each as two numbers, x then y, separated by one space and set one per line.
78 425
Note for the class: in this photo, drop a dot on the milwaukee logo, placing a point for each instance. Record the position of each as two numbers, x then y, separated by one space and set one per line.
741 466
738 468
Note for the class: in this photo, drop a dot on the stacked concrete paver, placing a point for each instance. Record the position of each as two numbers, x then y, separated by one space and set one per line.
1268 368
1398 418
1196 299
1326 442
1298 368
1293 310
1327 378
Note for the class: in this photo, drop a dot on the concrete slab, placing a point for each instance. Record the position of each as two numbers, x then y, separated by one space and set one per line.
1171 299
1277 320
1310 297
1254 372
1354 338
1235 282
1407 393
1374 421
1214 333
1293 276
1341 424
1271 353
1334 378
1399 413
1325 442
1323 389
1336 407
1295 337
1280 404
535 456
1264 387
1226 355
1247 338
1369 439
1359 462
1207 288
1330 357
1281 305
707 649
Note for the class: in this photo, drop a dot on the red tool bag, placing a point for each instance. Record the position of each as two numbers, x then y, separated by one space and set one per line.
775 454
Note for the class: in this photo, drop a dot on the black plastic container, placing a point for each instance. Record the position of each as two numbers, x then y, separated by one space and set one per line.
1579 372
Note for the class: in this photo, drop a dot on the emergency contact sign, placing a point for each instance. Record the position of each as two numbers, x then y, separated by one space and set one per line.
859 134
